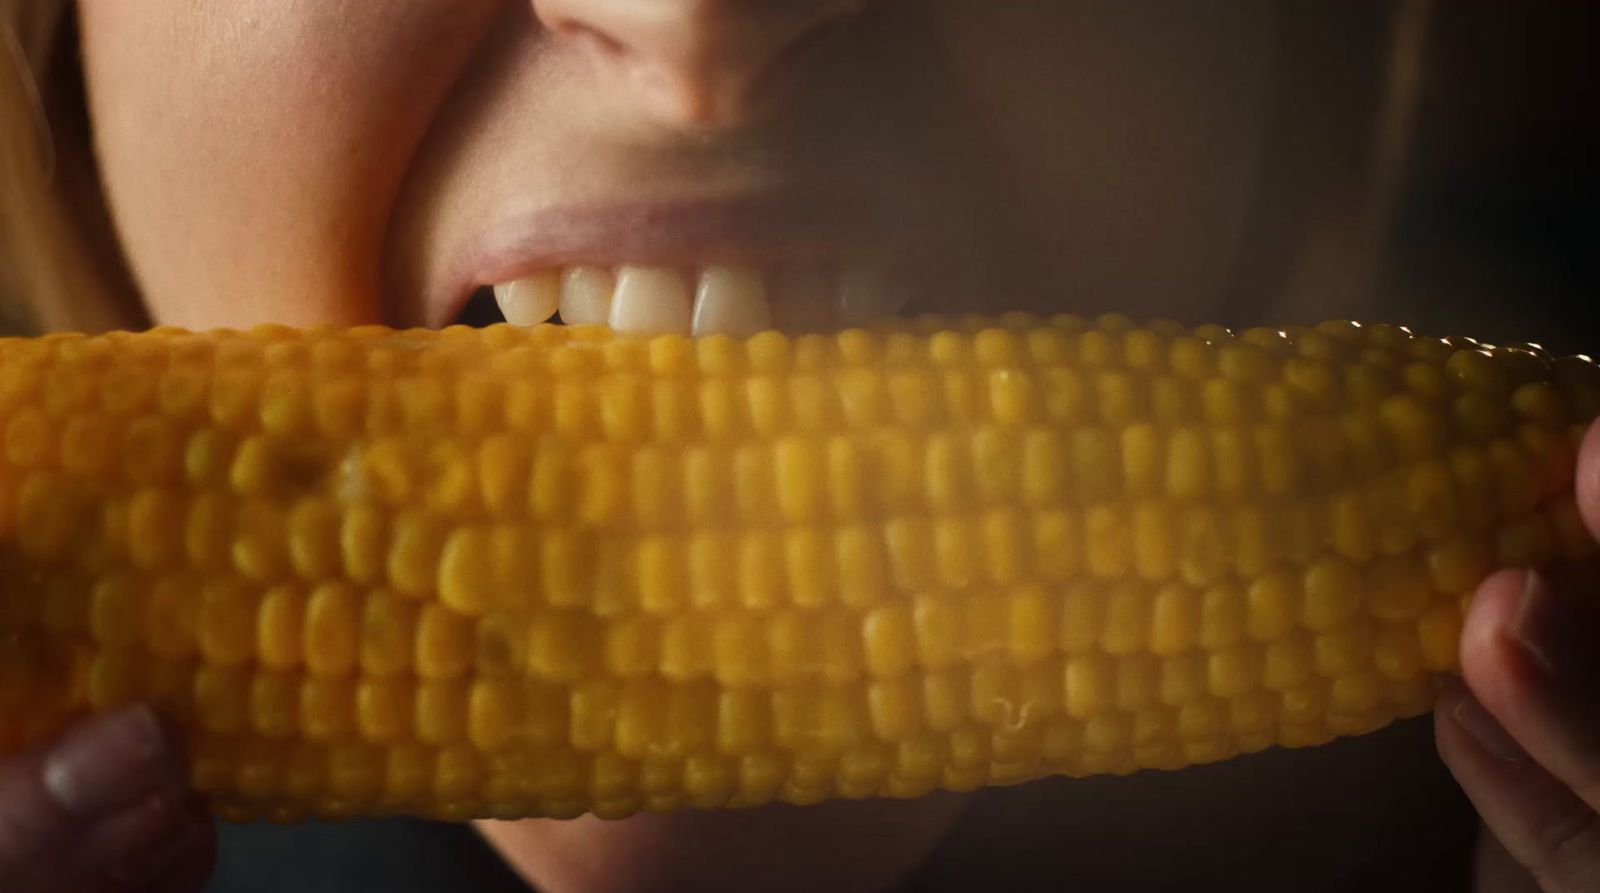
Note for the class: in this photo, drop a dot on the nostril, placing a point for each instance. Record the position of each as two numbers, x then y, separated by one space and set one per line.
699 63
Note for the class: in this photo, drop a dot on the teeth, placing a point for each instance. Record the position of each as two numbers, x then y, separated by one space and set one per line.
865 295
650 300
737 301
803 299
731 302
530 301
586 296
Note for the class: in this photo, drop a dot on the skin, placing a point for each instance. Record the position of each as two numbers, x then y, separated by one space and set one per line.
332 162
328 161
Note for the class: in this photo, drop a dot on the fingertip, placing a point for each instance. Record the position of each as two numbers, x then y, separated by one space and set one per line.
143 843
108 761
1588 483
1484 631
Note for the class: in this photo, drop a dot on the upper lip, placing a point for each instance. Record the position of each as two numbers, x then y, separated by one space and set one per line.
742 230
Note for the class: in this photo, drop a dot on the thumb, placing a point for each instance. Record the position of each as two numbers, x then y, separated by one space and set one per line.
103 800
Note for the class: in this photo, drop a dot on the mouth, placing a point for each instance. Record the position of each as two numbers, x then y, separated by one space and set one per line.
701 268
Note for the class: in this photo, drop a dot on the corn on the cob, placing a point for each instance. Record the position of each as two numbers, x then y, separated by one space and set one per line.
545 571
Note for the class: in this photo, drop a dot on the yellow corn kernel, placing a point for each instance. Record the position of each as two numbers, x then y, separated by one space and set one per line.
443 643
169 629
387 634
759 583
1033 618
1183 679
1233 672
467 581
1142 457
1528 541
1332 594
561 646
332 625
1155 541
1108 548
1397 652
1004 550
1127 620
1354 534
1287 663
275 704
548 570
1090 686
226 627
441 712
1096 464
1439 629
414 553
1175 620
740 653
384 710
1190 466
314 539
115 609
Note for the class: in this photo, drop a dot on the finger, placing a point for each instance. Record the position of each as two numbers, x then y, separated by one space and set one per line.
97 768
1538 819
1526 653
1589 479
135 848
192 867
1495 870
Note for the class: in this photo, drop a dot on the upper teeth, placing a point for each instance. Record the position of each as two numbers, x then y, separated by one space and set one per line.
733 302
714 300
651 299
531 300
585 296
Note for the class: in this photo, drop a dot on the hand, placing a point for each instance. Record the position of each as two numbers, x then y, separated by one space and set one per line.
103 808
1523 734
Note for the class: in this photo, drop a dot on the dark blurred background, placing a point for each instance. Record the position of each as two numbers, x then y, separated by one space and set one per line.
1499 214
1495 228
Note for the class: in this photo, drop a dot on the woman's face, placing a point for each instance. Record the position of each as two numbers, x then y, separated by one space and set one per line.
677 164
673 163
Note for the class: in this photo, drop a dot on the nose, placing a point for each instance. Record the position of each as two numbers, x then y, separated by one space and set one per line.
695 62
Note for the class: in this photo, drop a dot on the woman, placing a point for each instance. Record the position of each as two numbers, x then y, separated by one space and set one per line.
702 166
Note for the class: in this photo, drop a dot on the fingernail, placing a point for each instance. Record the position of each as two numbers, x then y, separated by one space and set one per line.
109 762
1470 715
1553 631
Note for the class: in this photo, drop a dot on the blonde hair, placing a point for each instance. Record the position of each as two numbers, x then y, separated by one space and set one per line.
59 264
61 268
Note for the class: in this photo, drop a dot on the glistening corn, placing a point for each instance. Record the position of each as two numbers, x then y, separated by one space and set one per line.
545 571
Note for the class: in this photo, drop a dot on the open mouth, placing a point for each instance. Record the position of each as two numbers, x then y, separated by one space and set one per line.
708 300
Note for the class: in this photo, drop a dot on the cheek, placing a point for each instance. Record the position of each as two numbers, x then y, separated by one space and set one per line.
250 150
1134 132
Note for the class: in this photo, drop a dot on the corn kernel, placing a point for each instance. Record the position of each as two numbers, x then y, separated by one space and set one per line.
547 570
